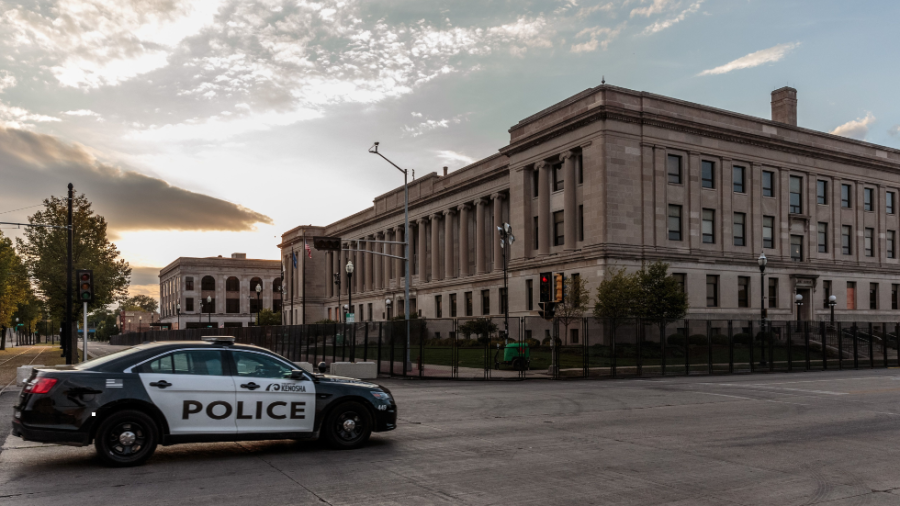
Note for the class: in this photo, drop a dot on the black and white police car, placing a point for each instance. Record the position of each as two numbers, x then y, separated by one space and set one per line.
194 391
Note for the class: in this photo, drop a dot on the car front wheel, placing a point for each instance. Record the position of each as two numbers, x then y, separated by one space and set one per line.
348 426
126 438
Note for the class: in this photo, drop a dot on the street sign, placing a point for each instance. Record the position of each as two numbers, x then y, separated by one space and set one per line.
350 318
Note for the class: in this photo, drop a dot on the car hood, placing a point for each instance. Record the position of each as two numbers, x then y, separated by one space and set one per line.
330 378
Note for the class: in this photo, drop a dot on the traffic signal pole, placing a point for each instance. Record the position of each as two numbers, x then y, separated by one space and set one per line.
84 349
70 239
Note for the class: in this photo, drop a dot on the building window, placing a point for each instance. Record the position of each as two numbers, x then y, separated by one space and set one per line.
255 305
573 336
894 296
845 196
579 168
739 219
821 192
743 291
712 291
189 304
891 236
873 295
768 183
438 308
529 294
674 222
846 245
708 226
209 307
822 232
797 248
796 198
412 305
673 167
581 223
867 241
189 283
535 232
535 182
208 283
233 306
369 311
485 302
468 296
276 306
708 171
773 292
558 182
889 202
232 284
738 175
680 279
768 235
452 305
868 199
559 229
826 287
851 294
502 300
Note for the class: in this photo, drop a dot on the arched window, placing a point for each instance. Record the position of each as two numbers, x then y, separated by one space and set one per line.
276 285
208 283
254 282
232 284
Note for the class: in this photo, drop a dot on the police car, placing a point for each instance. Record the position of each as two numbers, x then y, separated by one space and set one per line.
194 391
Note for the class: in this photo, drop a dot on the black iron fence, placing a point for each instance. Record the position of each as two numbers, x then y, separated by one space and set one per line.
475 348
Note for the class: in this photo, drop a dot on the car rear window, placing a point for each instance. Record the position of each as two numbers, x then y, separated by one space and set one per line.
98 362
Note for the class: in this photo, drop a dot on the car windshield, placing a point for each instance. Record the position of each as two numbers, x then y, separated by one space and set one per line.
99 361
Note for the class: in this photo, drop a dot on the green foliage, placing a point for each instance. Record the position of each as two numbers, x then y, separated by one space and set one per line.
659 297
139 303
14 287
269 317
43 252
481 327
575 303
105 323
615 298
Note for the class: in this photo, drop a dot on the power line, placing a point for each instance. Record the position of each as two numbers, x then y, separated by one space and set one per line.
21 208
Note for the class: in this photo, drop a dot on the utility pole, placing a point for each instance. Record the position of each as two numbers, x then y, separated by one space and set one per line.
70 341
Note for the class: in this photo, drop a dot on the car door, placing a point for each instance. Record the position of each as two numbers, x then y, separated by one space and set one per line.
268 400
192 390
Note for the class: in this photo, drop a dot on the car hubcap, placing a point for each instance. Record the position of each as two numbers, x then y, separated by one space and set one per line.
349 426
126 439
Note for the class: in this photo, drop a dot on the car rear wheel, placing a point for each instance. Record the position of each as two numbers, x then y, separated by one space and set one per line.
348 426
126 438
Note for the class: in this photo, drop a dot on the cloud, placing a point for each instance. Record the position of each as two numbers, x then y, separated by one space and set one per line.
221 127
17 117
145 276
81 112
856 129
39 165
657 7
894 130
453 156
773 54
6 80
596 33
662 25
430 124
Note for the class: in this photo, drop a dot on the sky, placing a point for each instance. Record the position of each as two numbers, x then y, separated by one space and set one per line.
211 127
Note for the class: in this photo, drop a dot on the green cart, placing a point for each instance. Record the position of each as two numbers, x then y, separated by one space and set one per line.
515 355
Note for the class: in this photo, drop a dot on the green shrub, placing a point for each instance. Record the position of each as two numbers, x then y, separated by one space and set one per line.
675 340
742 339
697 340
719 340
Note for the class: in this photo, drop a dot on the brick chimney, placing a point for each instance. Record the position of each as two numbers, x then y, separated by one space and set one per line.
784 105
445 171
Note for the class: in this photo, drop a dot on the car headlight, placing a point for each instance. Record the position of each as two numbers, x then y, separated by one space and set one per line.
381 396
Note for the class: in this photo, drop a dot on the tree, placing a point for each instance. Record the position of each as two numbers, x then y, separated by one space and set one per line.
660 297
616 299
43 252
139 303
268 317
14 287
481 327
575 302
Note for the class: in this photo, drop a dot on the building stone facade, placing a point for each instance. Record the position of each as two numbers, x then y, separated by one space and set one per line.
229 283
612 178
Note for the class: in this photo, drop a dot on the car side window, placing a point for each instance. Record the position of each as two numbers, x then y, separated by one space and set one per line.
197 362
255 365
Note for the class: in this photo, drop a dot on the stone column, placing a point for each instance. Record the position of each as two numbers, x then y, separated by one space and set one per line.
329 285
357 269
495 234
399 269
448 244
345 256
378 260
422 260
435 247
569 201
370 265
479 236
543 208
463 240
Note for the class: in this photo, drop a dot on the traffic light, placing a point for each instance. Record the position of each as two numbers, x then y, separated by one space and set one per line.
545 287
327 243
559 287
85 285
547 311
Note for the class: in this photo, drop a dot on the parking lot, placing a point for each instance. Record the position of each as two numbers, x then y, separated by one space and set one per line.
804 438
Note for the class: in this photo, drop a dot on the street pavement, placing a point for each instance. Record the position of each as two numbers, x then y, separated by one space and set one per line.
769 439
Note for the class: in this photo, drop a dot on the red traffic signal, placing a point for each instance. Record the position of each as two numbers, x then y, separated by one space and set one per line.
545 287
86 285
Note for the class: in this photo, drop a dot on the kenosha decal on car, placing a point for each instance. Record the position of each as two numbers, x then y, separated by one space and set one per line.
167 393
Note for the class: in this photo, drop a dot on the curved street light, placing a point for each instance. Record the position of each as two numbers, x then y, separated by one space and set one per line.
258 290
349 269
832 301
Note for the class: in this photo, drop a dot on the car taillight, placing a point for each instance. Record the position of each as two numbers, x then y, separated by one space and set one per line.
41 386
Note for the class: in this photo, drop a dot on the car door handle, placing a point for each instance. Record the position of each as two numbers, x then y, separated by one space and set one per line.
161 384
251 386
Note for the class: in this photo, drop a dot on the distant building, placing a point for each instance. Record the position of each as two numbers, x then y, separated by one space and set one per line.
218 291
136 321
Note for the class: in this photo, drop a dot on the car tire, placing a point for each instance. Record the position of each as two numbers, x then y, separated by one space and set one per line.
348 426
126 438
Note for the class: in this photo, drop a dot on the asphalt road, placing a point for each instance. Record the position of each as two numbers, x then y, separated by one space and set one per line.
803 438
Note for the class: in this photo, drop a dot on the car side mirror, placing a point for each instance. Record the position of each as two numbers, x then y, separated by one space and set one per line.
297 374
323 367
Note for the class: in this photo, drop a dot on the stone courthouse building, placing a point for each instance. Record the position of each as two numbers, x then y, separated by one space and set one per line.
613 177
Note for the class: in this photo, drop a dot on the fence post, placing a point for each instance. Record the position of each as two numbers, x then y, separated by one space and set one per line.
730 347
871 344
612 344
855 346
822 331
884 335
806 340
752 340
709 363
840 334
897 336
662 346
790 346
687 348
421 360
640 347
771 335
380 324
585 348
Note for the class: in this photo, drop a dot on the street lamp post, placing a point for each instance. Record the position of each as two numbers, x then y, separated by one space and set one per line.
178 315
799 301
258 290
387 306
140 323
349 269
506 241
209 313
374 150
337 284
762 261
832 301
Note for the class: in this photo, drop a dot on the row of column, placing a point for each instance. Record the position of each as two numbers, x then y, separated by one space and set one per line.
375 272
